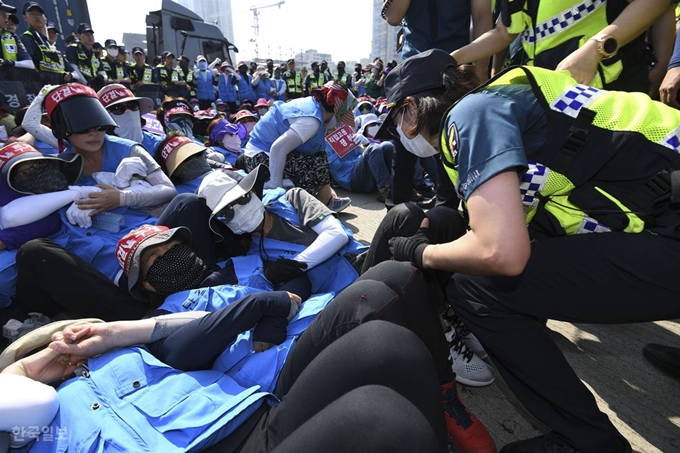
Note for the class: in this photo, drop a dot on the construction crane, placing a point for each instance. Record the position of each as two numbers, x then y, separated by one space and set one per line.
256 21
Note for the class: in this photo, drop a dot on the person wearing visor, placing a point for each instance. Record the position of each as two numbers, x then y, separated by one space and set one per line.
226 87
572 217
116 71
225 138
85 61
13 52
290 139
140 72
261 107
126 109
184 161
175 114
364 106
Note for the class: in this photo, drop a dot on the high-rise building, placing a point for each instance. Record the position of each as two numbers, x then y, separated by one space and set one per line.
384 41
216 12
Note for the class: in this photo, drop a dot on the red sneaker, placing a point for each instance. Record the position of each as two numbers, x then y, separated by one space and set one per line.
465 431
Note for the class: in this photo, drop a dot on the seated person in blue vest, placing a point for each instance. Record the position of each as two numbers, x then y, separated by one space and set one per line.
225 138
184 161
248 120
155 259
290 139
262 83
206 80
368 166
226 87
26 172
573 216
261 107
126 110
245 88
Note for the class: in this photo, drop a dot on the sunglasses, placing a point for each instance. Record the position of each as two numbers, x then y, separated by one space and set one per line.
119 109
87 131
227 213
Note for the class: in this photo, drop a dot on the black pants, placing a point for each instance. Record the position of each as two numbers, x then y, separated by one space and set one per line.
52 280
591 278
188 210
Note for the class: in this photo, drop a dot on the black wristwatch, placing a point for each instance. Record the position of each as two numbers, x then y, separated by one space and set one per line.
607 45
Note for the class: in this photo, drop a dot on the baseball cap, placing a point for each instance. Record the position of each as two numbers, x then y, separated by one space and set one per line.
121 49
7 8
70 39
71 165
136 50
84 27
51 26
176 108
177 150
130 248
421 72
167 54
116 93
29 5
262 102
290 61
110 43
14 18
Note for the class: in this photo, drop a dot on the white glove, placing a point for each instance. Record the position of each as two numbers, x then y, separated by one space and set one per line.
217 60
80 217
83 191
359 139
127 169
214 156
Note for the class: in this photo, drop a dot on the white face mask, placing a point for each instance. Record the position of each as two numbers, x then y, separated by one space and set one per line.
261 111
372 130
202 65
113 53
247 217
129 126
418 145
231 142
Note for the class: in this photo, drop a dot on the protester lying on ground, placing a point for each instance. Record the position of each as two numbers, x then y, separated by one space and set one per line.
598 240
225 138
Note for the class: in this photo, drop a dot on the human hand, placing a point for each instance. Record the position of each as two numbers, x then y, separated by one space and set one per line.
656 76
582 63
139 83
295 302
668 91
283 270
84 340
80 217
45 366
83 191
106 200
411 248
67 77
359 139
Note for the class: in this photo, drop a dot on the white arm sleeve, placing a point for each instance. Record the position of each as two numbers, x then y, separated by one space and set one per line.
284 88
331 239
31 123
283 145
255 81
25 210
25 64
161 191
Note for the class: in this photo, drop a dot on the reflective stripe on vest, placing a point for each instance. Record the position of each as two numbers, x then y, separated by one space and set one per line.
296 86
10 49
561 22
630 115
50 60
87 66
317 82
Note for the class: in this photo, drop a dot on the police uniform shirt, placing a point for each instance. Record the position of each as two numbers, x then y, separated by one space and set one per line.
136 73
22 54
519 126
32 46
111 68
72 57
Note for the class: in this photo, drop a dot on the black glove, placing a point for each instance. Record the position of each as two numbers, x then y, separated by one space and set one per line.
6 63
410 249
282 270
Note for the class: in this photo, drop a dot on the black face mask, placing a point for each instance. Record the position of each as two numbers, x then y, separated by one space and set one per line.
177 270
190 169
42 177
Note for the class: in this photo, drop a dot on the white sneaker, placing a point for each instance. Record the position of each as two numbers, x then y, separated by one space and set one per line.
470 369
452 320
14 329
338 204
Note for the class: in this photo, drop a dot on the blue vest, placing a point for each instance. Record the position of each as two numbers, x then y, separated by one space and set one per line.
226 89
229 156
334 274
245 90
278 86
150 142
205 90
262 87
45 148
191 186
341 169
275 123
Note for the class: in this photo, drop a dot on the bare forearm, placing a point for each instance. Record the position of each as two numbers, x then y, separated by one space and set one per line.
488 44
662 31
637 17
396 11
482 22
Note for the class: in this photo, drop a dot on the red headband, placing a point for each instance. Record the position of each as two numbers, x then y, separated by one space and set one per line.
62 93
173 144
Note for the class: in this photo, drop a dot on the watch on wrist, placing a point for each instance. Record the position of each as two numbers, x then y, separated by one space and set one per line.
607 45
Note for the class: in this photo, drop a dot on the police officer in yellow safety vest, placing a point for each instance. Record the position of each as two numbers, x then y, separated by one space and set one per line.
600 42
572 196
293 81
84 60
116 71
166 74
316 78
48 60
188 74
13 51
141 72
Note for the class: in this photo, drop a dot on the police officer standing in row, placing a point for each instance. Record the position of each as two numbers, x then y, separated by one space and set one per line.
342 77
187 74
84 60
293 81
166 75
141 72
13 52
47 60
116 71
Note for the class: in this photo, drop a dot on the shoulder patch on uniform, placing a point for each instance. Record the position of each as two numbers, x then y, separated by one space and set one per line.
454 143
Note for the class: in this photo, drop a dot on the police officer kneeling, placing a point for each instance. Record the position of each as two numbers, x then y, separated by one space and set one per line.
572 198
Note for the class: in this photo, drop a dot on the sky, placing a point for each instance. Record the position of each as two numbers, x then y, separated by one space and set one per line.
343 32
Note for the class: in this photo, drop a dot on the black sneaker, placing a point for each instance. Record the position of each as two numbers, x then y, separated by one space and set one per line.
548 444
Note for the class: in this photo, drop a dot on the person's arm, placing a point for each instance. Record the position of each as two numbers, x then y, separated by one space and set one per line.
671 83
662 32
31 122
24 59
393 12
498 240
29 209
487 45
283 146
638 16
283 90
482 22
331 238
